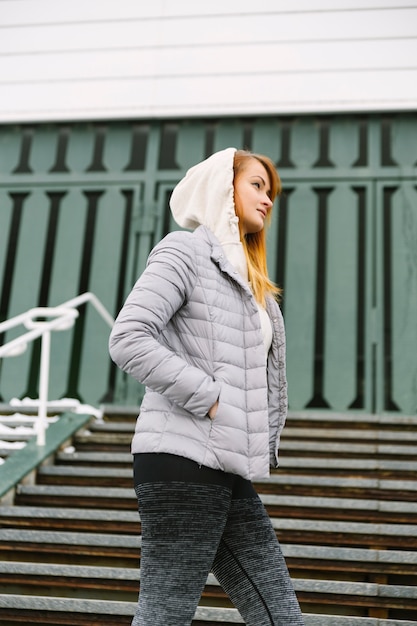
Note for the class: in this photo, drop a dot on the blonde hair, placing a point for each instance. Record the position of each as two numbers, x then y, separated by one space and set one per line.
254 244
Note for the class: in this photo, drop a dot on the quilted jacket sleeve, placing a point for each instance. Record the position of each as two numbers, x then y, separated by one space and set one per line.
134 345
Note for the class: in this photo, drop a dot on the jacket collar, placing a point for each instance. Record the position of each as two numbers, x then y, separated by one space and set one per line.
218 256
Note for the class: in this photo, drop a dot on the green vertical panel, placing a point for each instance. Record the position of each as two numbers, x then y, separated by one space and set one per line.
8 226
134 252
305 142
404 297
267 138
190 145
10 145
117 147
29 254
159 219
80 147
126 263
5 219
26 284
341 298
144 221
60 361
344 140
130 274
64 281
103 282
146 215
43 148
166 223
68 247
144 239
380 288
299 296
371 305
229 134
144 236
147 229
107 242
271 242
404 141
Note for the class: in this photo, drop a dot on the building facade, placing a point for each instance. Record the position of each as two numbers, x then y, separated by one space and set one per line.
101 114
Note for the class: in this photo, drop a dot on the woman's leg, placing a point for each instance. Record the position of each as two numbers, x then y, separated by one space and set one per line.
250 566
182 520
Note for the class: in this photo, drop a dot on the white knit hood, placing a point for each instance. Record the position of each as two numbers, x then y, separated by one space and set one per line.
204 197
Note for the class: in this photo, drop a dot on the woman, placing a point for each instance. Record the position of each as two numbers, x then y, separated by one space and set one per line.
202 330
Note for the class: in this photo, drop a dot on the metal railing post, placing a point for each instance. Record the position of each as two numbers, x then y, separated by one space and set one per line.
43 387
64 318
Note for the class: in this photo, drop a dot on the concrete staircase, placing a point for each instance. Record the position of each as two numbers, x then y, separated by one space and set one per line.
343 504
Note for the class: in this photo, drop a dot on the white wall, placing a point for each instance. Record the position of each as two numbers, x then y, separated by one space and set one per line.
112 59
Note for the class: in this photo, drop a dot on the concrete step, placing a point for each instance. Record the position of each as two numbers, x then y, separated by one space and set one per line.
295 484
347 564
69 580
76 519
372 467
26 515
70 610
115 459
325 435
347 450
302 532
371 464
296 506
353 420
355 534
74 548
343 505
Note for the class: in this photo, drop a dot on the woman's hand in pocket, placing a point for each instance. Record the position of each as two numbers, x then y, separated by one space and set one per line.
212 412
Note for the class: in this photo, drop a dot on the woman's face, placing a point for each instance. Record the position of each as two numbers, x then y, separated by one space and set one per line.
252 191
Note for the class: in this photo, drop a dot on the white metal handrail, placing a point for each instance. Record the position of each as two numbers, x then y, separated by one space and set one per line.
57 318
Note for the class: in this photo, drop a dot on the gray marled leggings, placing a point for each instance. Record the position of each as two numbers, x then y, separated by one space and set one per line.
196 520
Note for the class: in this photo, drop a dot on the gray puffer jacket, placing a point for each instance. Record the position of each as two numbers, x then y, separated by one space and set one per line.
190 331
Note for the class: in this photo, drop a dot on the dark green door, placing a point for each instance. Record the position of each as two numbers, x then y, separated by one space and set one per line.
81 205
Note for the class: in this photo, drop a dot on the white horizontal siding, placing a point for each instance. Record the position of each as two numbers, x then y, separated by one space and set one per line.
105 59
33 12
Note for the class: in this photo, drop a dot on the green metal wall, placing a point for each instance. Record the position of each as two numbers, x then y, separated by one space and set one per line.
82 204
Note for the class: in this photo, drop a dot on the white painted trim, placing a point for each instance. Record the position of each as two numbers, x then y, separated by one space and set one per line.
105 60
